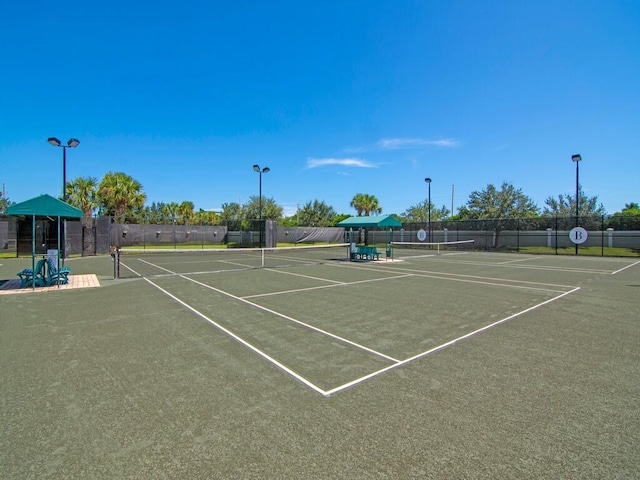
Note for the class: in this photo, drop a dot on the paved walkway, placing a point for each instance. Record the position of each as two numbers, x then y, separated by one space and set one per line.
75 281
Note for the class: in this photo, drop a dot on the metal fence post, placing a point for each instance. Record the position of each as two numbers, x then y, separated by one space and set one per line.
602 235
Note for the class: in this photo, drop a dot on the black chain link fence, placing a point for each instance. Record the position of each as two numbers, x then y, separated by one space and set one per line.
613 235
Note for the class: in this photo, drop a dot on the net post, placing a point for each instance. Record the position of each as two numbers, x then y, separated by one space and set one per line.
115 254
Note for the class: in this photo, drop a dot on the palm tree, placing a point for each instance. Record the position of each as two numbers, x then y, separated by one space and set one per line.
186 211
81 193
120 194
357 202
366 203
171 212
204 217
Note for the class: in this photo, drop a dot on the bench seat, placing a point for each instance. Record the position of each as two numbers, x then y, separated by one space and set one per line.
367 253
30 277
56 276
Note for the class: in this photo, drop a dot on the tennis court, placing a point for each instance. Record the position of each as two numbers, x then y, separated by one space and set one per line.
294 363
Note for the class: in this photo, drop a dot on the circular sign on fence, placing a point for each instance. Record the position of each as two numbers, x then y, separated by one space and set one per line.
422 235
578 235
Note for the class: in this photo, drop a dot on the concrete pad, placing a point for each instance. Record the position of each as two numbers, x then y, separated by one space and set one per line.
75 281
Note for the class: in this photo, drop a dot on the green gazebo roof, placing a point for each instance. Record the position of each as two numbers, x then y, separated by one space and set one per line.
371 221
45 206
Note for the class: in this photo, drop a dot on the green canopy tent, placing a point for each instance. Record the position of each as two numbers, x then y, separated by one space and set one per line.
388 222
372 221
43 206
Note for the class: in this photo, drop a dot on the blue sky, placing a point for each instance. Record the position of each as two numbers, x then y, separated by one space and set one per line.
335 97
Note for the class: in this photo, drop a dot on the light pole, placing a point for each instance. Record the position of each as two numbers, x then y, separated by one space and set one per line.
428 180
577 158
73 142
260 171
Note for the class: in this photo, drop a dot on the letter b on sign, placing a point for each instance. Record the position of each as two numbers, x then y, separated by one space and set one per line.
578 235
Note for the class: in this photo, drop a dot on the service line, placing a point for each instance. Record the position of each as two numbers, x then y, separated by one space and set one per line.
445 345
624 268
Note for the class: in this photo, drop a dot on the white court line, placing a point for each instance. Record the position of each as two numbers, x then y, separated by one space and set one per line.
291 319
624 268
303 276
445 345
281 315
242 341
229 262
171 272
519 260
431 255
531 267
461 275
445 254
129 268
326 393
296 290
341 284
154 265
250 346
418 256
476 279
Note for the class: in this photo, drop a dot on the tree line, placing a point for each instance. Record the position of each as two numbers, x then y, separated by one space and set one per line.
123 197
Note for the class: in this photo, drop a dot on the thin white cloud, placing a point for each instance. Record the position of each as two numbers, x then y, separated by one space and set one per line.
500 147
398 143
355 149
344 162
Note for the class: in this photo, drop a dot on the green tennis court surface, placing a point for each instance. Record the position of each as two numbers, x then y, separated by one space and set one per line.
435 364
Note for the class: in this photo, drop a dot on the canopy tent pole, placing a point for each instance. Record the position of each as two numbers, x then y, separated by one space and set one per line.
58 256
33 251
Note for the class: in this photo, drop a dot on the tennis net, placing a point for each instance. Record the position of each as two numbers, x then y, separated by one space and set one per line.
152 262
420 249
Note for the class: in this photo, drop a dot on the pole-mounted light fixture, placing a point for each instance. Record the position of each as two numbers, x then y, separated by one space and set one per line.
256 168
577 158
428 180
71 143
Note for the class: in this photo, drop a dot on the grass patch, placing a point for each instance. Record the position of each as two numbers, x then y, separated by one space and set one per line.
590 251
